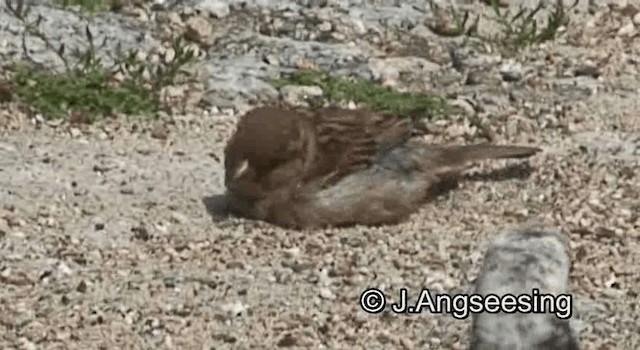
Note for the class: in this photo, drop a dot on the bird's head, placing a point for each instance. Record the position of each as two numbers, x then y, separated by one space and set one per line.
265 138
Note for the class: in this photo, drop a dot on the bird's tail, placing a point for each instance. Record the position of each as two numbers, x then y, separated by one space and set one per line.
468 153
450 160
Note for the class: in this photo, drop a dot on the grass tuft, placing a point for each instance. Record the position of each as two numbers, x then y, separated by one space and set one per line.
131 86
91 6
89 91
372 95
516 30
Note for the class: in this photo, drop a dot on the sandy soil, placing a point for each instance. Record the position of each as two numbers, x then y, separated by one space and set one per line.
110 238
106 239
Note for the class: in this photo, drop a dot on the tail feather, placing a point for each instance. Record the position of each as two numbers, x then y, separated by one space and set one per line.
468 153
448 161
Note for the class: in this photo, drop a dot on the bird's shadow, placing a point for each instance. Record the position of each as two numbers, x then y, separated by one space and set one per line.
223 215
519 171
218 207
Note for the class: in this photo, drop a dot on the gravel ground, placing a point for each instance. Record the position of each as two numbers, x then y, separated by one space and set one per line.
111 238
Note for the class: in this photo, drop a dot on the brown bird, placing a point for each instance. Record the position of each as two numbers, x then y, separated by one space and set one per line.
338 167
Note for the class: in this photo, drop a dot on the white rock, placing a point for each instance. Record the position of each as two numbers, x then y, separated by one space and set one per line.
198 29
627 30
216 8
233 309
326 293
297 95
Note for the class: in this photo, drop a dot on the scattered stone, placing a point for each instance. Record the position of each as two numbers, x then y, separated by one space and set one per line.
160 132
198 29
287 341
511 72
163 269
628 30
297 95
216 8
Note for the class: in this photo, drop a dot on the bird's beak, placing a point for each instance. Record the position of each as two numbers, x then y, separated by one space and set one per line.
241 169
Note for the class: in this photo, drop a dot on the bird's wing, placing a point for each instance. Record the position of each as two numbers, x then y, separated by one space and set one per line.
351 139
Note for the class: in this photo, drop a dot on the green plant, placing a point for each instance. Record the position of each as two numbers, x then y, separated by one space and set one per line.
87 90
515 30
374 96
130 86
90 5
521 29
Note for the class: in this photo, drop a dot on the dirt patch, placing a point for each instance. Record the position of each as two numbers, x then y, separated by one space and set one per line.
107 238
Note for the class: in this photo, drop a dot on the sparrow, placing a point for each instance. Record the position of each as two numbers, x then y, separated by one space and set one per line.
339 167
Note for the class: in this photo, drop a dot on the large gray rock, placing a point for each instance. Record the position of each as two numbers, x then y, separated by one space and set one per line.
67 27
518 262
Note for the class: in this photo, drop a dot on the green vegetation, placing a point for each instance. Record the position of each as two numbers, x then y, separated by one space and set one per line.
521 29
372 95
86 90
131 86
91 5
515 30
